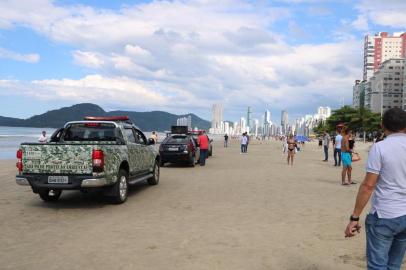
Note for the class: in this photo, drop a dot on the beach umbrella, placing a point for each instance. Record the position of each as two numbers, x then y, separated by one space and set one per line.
302 138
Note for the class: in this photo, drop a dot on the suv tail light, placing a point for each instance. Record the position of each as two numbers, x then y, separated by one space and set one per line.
19 160
98 160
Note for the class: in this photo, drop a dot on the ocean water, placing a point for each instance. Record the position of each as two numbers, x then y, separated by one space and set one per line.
12 137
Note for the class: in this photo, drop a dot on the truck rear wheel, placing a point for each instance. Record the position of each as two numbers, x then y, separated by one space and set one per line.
154 180
120 188
50 195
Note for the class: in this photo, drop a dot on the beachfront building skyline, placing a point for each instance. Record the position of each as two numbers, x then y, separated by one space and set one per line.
185 121
381 47
249 112
217 118
284 121
323 113
358 94
385 89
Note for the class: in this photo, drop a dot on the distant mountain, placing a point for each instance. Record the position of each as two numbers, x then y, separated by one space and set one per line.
148 121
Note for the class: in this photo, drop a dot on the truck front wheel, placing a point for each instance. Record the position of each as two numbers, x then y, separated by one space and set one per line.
50 195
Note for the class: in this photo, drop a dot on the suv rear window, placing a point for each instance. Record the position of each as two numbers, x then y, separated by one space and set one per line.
90 132
177 139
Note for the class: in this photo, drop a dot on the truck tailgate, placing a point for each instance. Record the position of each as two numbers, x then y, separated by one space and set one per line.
57 158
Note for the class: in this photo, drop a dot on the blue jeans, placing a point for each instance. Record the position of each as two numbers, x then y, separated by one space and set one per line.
337 152
243 148
325 152
203 156
386 242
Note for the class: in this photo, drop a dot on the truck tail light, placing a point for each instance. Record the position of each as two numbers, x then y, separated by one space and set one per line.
19 160
98 160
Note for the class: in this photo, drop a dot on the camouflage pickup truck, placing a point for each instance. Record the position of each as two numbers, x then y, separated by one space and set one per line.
107 153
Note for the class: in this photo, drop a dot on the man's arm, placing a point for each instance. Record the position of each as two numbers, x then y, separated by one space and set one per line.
364 194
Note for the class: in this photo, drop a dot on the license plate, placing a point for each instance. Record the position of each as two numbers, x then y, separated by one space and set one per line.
58 179
173 149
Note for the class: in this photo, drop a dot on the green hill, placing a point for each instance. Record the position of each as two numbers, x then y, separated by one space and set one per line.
148 121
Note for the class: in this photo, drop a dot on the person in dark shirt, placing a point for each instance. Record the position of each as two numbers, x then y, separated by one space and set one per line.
226 140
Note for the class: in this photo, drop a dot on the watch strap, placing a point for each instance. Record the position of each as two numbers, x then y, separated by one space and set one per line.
352 218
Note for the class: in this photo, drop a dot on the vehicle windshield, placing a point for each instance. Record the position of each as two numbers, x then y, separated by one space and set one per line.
177 139
90 132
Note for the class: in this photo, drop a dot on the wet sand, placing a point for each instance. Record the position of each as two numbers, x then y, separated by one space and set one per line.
239 212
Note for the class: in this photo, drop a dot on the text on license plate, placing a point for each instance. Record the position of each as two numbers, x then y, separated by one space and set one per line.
173 148
58 179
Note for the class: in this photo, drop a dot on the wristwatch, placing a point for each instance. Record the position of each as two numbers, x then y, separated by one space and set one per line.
352 218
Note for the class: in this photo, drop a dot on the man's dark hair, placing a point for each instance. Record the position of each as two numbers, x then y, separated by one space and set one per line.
394 119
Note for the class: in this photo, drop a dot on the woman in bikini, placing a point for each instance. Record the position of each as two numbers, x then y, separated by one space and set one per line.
291 149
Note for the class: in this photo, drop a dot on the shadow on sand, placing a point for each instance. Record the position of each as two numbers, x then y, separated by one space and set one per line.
74 199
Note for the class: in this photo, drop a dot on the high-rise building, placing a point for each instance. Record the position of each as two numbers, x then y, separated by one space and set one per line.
404 87
267 117
382 47
323 112
284 121
185 121
243 125
217 117
358 94
249 117
266 123
385 88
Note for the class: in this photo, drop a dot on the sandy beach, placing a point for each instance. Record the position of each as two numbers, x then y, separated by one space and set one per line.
239 212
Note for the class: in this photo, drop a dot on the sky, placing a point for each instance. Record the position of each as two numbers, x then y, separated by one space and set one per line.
184 56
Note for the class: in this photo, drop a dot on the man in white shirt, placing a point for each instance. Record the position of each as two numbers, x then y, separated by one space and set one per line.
244 142
337 149
386 180
43 138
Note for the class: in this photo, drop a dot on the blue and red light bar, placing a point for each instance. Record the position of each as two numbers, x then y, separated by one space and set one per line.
107 118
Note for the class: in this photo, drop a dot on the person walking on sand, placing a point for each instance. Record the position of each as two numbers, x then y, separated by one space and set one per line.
291 149
43 137
346 157
337 148
226 140
244 142
326 144
248 142
203 142
385 181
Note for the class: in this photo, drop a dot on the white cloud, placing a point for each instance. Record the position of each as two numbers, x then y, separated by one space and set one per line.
361 23
29 58
136 51
87 59
187 54
388 13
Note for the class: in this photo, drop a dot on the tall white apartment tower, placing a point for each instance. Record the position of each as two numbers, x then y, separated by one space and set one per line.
284 122
381 47
267 117
217 117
